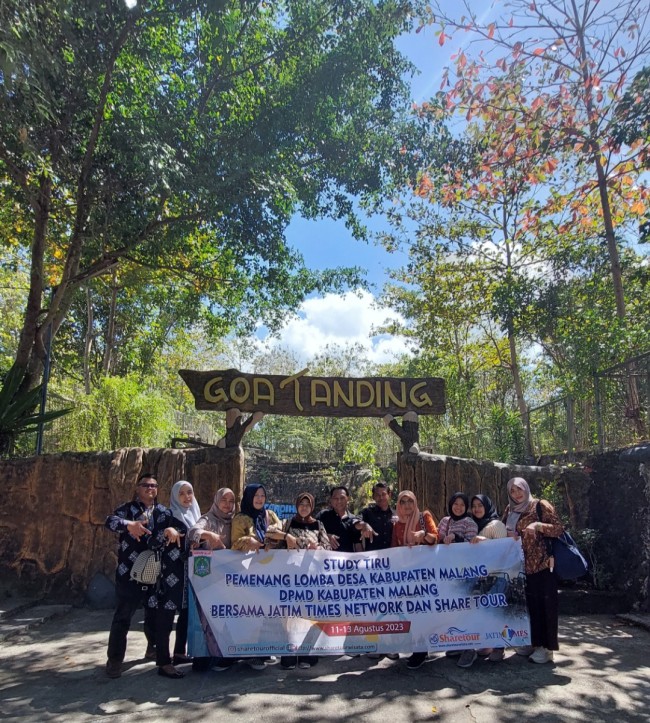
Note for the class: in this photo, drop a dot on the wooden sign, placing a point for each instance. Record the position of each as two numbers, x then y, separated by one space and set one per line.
303 396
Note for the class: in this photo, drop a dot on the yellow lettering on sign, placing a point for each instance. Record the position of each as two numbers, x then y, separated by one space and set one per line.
362 384
295 378
391 398
257 392
339 395
423 400
326 397
216 396
235 395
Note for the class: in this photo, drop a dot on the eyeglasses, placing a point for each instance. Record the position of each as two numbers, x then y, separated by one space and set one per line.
151 487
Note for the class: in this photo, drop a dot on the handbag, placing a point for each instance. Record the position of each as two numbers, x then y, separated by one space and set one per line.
146 567
569 563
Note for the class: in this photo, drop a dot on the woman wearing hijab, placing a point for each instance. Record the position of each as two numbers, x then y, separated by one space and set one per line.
212 531
251 525
185 509
490 527
302 532
168 597
485 514
252 531
413 528
533 521
458 526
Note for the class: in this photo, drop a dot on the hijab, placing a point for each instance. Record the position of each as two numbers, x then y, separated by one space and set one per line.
490 511
411 522
312 503
221 522
188 515
515 509
465 499
247 508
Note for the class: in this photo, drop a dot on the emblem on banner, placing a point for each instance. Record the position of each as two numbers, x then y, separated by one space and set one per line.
201 566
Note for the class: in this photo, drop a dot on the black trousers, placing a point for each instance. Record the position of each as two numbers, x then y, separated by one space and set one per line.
542 601
180 643
164 624
129 598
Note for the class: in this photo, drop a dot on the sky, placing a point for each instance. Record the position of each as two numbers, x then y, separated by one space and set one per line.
351 318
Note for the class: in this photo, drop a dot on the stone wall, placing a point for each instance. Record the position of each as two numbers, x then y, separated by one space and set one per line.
606 502
52 532
54 507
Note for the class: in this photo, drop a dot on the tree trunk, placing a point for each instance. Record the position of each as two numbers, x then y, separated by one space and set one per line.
519 391
88 342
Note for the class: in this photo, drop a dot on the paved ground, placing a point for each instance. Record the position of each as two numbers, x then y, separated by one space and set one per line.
55 673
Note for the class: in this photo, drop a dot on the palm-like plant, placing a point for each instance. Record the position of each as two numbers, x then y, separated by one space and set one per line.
17 415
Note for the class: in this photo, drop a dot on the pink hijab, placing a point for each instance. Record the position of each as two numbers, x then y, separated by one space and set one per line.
411 522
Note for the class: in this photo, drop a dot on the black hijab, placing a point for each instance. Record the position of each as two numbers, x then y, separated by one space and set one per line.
490 511
247 508
465 499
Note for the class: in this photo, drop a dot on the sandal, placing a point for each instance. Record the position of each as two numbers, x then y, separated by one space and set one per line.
165 671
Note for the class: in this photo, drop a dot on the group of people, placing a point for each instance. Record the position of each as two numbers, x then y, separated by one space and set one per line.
144 524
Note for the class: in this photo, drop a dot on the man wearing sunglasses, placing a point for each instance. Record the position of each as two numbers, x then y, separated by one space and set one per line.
134 522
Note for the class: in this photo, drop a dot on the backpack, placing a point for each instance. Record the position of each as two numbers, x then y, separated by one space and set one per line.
146 567
569 562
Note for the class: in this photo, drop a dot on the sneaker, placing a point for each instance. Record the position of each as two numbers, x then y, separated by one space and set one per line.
288 662
255 663
453 653
374 656
392 656
113 668
524 650
416 660
467 659
221 664
541 655
303 664
496 655
271 660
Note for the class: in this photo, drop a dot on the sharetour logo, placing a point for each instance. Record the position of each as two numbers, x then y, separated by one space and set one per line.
455 635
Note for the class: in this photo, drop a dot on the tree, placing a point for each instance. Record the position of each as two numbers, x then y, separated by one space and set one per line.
575 58
578 57
178 138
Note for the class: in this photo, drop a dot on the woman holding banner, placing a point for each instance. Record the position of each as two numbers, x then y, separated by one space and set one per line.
413 528
185 509
533 521
302 532
490 527
252 528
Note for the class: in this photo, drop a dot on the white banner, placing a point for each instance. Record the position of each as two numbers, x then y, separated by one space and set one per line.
400 600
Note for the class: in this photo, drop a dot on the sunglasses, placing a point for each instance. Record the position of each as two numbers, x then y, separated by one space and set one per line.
149 486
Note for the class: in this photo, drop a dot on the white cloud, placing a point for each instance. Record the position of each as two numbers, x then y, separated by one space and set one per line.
341 319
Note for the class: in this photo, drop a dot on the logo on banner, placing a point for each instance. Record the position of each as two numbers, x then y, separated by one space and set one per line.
201 565
456 635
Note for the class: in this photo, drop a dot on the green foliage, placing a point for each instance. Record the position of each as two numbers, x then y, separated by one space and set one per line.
508 435
168 145
120 412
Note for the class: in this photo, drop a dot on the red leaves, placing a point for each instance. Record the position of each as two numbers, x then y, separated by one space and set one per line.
539 51
490 33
